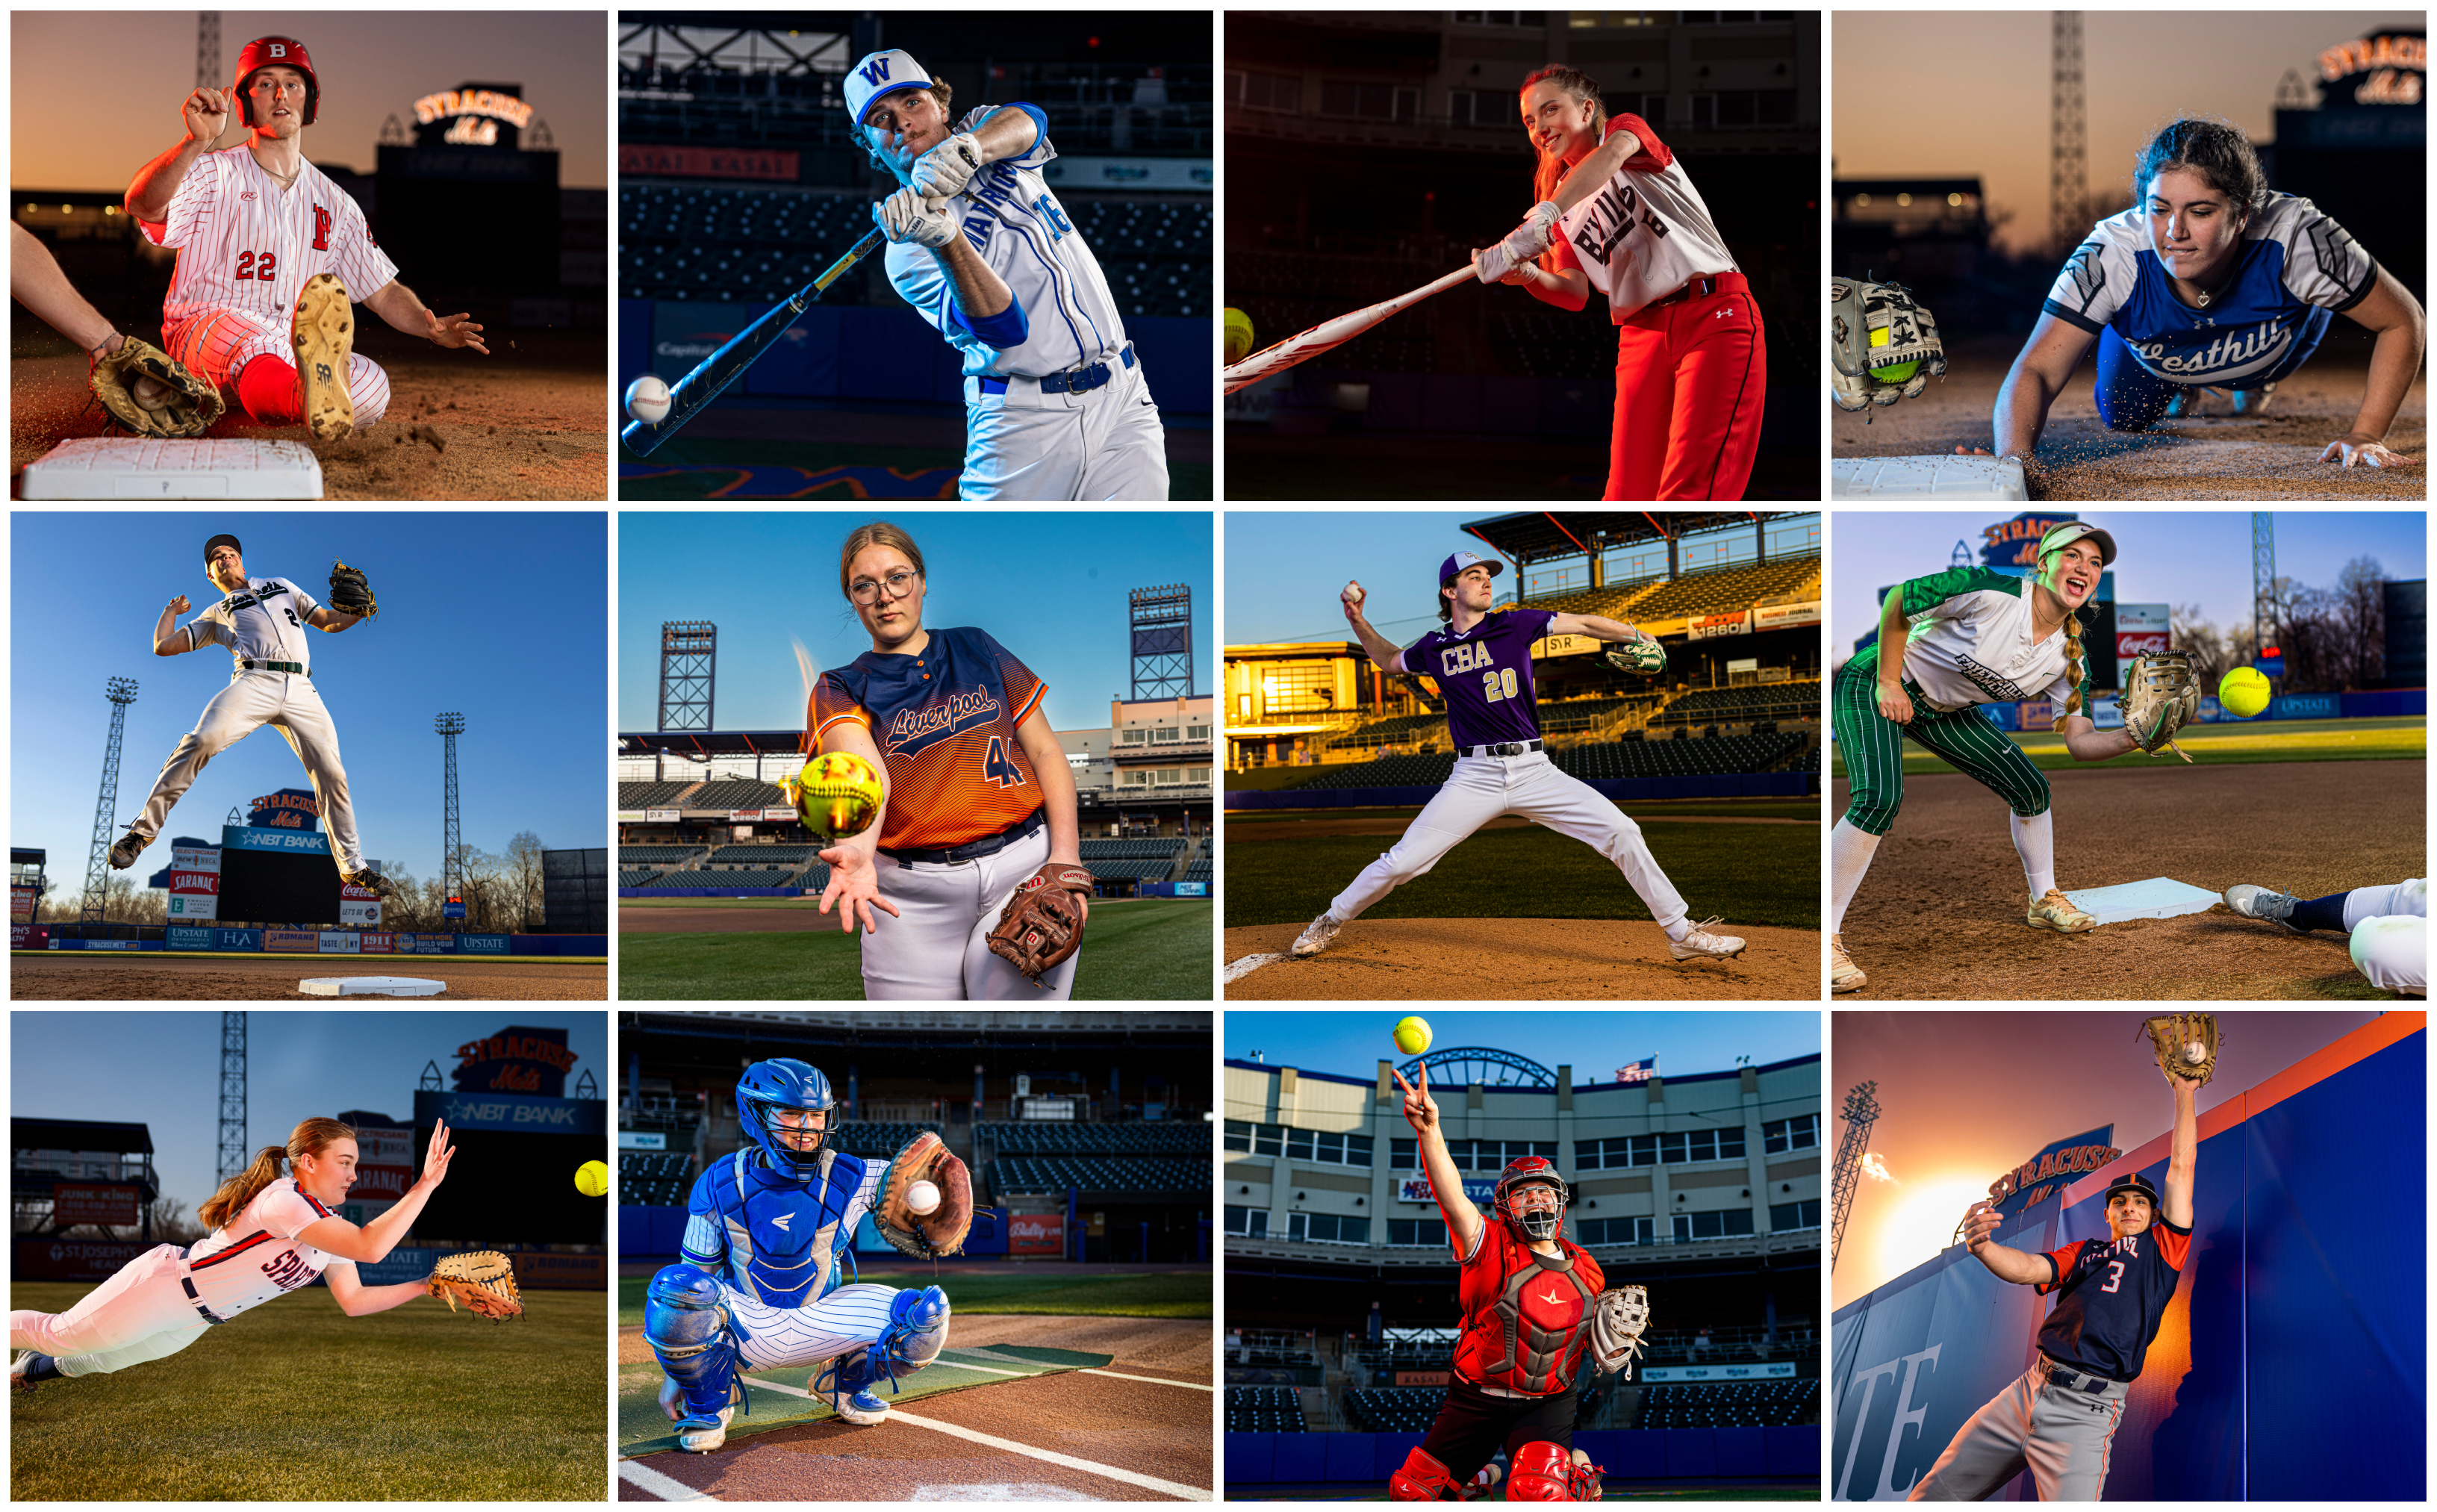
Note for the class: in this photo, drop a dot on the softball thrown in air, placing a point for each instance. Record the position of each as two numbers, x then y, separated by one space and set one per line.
837 794
923 1199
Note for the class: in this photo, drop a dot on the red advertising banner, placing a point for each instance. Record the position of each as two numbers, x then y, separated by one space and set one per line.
1036 1234
2132 643
21 903
95 1203
1421 1377
707 162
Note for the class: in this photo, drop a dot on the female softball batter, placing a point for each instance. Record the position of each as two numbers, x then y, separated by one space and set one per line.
271 1233
2213 281
980 801
1617 211
1947 644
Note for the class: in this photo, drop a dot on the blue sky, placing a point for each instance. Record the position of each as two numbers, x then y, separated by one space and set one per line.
1051 587
1593 1042
2163 557
498 616
162 1069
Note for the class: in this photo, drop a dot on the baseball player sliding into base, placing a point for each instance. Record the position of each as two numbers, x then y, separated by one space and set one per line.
262 622
2387 927
1482 664
267 251
1055 405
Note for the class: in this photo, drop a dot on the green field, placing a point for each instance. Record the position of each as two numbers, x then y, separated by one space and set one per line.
1746 873
1008 1289
295 1401
1157 949
2300 740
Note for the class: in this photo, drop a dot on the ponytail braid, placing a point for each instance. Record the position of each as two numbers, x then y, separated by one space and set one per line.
2071 670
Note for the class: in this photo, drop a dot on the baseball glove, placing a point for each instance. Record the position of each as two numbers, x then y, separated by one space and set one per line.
482 1279
1041 925
1619 1318
942 1230
1640 659
183 405
351 593
2176 1036
2162 695
1872 329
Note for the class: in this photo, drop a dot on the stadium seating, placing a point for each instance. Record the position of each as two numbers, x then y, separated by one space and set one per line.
882 1140
655 855
1772 1403
1725 590
1676 757
1164 848
739 793
1130 870
1201 870
654 1178
1264 1410
1705 706
1047 1137
772 878
1107 1173
649 795
640 877
1395 1409
789 856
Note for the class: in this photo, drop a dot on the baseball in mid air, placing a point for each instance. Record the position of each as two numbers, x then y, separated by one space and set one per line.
922 1198
647 400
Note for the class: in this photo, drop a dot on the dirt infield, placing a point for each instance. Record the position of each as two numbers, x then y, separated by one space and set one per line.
1140 1426
1941 914
104 976
1524 959
2214 456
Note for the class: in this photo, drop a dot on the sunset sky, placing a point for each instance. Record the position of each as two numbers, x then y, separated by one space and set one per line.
2140 70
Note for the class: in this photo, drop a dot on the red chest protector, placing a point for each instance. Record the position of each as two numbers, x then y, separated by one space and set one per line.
1527 1317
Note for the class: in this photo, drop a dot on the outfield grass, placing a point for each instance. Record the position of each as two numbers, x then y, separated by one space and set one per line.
1746 873
295 1402
2300 740
1151 1294
1156 949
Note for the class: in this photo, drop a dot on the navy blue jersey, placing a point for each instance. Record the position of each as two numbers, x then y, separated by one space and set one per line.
944 719
2114 1295
1486 676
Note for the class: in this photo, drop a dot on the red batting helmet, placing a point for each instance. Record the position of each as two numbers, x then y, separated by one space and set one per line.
281 52
1528 1226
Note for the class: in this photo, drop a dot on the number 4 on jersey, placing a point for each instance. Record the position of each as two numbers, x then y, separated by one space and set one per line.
999 767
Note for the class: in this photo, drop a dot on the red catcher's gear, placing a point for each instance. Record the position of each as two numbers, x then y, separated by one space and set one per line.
1421 1478
1543 1472
1588 1486
1518 1172
1527 1317
276 52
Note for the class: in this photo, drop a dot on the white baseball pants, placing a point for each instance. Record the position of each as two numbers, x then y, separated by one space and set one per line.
141 1313
287 702
2390 934
1106 444
937 948
771 1338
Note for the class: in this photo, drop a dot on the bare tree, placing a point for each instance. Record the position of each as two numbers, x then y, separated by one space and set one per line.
524 879
2212 659
2358 612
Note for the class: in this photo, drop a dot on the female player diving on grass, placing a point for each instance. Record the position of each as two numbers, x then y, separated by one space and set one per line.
270 1234
1692 365
979 803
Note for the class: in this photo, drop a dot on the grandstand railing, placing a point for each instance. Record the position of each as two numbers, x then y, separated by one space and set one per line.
1435 1257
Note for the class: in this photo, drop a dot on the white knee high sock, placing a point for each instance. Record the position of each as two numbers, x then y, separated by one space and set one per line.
2035 841
1848 860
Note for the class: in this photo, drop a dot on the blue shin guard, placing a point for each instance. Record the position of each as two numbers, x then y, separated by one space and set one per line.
688 1327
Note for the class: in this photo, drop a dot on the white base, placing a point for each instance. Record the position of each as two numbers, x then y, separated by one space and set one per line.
381 986
1928 477
132 467
2152 898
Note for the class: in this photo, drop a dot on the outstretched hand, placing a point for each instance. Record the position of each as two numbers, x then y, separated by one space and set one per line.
436 1157
2361 451
855 887
454 331
1980 1220
1420 1111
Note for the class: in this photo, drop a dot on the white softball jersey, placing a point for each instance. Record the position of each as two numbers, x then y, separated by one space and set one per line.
1646 233
1971 641
264 623
256 1255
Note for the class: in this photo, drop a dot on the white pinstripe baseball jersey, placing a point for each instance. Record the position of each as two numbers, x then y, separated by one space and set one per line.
245 243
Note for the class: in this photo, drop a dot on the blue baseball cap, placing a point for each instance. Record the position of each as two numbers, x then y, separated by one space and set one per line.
878 73
1461 560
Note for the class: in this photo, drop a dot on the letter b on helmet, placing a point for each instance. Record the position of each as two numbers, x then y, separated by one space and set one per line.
276 52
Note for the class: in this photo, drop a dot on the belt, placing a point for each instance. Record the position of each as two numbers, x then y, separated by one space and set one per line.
988 845
1513 747
197 1298
297 667
1697 289
1078 381
2073 1379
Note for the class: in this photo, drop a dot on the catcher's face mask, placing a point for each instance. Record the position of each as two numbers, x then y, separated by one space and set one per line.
1534 1210
773 1100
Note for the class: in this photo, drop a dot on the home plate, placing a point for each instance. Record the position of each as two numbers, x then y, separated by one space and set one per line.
2156 897
134 467
382 986
1934 476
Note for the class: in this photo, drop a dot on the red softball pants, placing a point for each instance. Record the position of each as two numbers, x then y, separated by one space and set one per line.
1689 381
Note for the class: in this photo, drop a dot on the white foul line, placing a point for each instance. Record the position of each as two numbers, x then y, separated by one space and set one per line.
643 1478
1149 1482
1189 1385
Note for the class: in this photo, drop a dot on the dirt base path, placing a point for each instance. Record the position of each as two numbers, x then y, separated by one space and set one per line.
1521 959
103 975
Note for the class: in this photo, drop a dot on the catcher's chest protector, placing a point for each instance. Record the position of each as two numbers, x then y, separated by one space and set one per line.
782 1239
1529 1317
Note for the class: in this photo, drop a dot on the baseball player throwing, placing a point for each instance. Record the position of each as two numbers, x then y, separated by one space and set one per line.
1056 406
262 621
267 251
1616 211
979 799
270 1234
767 1229
2111 1294
1482 665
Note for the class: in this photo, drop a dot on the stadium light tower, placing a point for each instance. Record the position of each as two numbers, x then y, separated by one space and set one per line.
1861 1113
120 692
2068 138
2263 583
235 1157
689 673
1162 642
452 870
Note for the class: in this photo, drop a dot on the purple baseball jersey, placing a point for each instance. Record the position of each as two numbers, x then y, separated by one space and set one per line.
1486 676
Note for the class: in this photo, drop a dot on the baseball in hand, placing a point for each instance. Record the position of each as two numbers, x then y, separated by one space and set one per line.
923 1199
1352 594
647 400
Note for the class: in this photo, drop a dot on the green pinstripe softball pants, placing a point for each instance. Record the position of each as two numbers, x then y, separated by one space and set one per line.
1872 746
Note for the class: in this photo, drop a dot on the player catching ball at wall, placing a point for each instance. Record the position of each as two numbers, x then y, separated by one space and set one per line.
1618 213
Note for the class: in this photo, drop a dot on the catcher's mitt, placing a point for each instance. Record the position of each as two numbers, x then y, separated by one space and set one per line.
1619 1318
183 405
2177 1037
1874 329
2162 695
1640 659
942 1230
351 593
1041 924
482 1279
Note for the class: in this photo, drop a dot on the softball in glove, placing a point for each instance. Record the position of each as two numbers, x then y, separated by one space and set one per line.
482 1279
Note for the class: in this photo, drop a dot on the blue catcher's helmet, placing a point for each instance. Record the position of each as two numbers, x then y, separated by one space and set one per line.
768 1086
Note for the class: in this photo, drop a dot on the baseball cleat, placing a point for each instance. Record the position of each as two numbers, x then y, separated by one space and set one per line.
324 336
700 1436
2054 910
20 1372
373 883
2263 903
130 846
864 1408
1843 976
1484 1481
2183 402
1316 936
2254 401
1699 944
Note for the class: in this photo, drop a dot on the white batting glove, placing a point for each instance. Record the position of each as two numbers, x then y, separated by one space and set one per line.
1533 236
948 167
906 216
1492 264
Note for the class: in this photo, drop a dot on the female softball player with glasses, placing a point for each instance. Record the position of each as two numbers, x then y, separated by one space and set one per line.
1948 644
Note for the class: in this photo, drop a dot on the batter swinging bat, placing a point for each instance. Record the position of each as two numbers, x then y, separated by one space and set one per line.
694 390
1329 333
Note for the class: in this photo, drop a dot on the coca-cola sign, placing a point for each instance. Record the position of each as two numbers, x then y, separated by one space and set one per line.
2143 644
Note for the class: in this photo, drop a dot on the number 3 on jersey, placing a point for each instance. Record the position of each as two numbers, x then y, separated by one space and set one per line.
999 767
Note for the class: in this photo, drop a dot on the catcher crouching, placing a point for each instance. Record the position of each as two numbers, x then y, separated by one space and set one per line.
760 1285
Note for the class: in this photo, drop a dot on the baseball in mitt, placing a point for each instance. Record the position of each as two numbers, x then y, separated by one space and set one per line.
1883 345
151 393
482 1279
1043 925
351 593
2186 1045
940 1231
1640 659
2162 695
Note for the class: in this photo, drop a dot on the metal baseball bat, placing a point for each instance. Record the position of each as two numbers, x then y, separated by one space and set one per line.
712 376
1330 333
